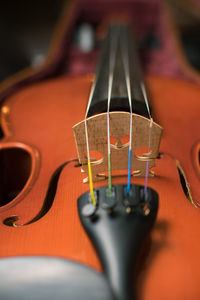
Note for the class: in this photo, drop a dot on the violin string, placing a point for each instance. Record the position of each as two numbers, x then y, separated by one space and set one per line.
88 148
90 97
145 99
147 164
89 166
128 87
112 56
149 136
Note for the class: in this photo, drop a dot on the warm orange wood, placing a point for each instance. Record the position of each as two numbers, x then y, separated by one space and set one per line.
42 117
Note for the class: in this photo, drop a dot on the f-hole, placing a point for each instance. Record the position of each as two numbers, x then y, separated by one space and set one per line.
199 157
1 133
15 168
184 183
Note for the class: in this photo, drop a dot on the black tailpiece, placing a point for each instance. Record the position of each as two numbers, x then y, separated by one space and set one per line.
117 227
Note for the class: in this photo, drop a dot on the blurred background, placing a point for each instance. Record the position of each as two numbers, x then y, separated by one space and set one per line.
66 34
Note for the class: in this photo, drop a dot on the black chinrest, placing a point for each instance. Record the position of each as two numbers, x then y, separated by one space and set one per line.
49 278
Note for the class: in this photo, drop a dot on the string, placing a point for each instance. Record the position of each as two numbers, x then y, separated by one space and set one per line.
89 167
147 164
145 99
128 86
149 137
113 50
87 147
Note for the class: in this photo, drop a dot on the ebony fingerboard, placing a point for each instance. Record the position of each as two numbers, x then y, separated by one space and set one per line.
126 49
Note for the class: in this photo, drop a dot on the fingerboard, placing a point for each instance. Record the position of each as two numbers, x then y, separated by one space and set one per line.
126 49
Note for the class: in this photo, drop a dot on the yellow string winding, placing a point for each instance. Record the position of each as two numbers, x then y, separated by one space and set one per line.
91 183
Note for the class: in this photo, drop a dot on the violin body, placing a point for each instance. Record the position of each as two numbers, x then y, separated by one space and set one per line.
42 180
39 120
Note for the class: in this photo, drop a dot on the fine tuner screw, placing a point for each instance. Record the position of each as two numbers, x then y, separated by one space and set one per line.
89 210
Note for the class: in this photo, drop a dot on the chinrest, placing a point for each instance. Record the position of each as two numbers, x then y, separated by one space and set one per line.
42 278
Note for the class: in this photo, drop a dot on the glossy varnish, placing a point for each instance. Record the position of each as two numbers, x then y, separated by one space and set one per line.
39 119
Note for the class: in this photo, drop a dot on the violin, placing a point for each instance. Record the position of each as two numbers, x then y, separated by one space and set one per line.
93 210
